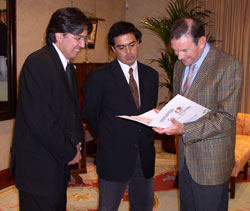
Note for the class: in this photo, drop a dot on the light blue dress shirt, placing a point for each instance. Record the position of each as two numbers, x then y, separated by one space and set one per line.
197 65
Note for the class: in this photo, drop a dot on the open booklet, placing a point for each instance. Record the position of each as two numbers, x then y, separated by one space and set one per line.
181 108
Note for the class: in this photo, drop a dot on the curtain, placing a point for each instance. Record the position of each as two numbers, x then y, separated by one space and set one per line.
231 28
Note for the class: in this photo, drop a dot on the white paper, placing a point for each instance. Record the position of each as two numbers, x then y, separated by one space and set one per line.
181 108
145 118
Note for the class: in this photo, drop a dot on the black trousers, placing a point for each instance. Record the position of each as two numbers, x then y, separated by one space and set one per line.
140 192
195 197
32 202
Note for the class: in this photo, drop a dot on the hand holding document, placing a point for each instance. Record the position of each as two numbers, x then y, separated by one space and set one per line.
181 108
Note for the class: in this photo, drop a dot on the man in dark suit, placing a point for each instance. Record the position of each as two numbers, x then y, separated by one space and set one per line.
206 146
3 33
48 131
125 149
3 46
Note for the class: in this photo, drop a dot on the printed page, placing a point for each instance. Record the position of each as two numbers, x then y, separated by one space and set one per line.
181 108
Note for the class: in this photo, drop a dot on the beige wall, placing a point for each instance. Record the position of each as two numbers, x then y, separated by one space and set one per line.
32 20
3 4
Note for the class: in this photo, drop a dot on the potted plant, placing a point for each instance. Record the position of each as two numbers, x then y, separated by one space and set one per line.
160 26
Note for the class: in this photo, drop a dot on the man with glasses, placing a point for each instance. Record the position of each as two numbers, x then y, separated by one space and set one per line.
125 149
48 134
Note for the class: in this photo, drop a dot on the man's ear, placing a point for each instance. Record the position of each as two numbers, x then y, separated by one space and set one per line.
202 41
112 48
58 36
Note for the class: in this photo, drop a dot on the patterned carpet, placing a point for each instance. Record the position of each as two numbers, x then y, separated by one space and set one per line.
84 197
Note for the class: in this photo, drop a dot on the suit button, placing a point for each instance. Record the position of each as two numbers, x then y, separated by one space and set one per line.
136 146
73 115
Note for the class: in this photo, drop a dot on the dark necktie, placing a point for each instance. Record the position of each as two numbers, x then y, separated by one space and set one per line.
188 80
133 88
70 74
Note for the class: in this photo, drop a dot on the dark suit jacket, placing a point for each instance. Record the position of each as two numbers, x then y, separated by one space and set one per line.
107 95
48 125
3 39
208 143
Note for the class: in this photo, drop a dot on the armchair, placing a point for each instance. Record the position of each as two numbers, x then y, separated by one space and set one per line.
242 150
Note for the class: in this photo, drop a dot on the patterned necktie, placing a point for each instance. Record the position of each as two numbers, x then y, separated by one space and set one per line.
188 80
133 88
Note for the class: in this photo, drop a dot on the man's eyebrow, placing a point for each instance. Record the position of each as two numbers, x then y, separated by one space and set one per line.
126 44
185 49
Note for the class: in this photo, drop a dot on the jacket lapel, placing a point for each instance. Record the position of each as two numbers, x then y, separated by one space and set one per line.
201 74
121 82
59 67
178 78
142 84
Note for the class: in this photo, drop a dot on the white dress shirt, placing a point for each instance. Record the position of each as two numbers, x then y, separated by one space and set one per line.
125 69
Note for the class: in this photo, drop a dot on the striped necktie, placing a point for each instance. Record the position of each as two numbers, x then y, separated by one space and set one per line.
188 81
133 88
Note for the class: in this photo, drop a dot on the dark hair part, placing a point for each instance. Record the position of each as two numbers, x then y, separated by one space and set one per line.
67 20
194 28
121 28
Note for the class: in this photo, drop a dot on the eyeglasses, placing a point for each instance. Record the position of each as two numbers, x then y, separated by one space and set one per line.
79 38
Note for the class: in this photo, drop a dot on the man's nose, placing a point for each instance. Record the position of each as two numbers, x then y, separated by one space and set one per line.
127 49
180 56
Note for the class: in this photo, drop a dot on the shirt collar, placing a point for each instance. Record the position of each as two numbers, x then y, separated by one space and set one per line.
61 56
203 56
126 67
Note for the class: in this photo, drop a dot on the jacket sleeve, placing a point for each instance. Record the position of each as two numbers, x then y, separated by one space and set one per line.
220 121
93 94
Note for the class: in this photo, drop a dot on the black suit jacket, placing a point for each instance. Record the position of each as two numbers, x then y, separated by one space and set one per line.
3 39
107 95
48 125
